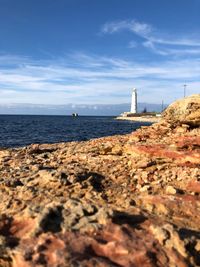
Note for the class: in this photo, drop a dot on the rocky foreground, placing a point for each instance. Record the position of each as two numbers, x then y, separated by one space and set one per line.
129 200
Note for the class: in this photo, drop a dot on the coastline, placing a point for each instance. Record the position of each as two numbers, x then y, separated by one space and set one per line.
140 119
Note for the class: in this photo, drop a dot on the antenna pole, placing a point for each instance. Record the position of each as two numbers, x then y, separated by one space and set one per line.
184 89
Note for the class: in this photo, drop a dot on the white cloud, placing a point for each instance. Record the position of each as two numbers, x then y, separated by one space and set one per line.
95 79
158 42
142 29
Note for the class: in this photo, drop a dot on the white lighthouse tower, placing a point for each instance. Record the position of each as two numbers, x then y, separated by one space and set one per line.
134 101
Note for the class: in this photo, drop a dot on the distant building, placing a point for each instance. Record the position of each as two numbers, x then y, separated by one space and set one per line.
133 111
134 101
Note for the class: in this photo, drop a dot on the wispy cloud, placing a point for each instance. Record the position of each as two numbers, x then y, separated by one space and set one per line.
154 39
86 78
132 44
139 28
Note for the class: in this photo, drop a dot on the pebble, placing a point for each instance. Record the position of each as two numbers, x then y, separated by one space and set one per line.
171 190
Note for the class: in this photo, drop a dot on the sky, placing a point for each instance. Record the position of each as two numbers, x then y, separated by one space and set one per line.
94 52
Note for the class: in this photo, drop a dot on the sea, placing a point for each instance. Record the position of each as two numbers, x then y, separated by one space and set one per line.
22 130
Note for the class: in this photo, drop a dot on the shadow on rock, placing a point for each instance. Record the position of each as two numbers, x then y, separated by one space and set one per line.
120 217
94 179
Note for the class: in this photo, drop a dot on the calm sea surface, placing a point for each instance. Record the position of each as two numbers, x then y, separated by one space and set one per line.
21 130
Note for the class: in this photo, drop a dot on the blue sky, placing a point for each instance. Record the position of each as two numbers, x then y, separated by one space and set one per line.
96 51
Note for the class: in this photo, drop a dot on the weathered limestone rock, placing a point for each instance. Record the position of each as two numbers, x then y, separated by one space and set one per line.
186 111
171 190
131 200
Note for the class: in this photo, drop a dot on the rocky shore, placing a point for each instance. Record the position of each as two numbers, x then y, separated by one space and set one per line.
131 200
140 119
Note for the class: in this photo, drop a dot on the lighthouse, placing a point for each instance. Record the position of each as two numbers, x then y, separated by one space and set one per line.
134 101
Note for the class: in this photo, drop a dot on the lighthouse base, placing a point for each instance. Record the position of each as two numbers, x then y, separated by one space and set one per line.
129 114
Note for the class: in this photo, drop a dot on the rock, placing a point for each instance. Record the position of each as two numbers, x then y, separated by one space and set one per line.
184 111
171 190
193 186
84 216
168 236
130 200
197 247
145 188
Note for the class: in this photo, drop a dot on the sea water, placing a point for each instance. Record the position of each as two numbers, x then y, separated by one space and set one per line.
21 130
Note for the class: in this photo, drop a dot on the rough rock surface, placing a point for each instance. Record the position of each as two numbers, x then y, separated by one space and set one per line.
185 111
129 200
